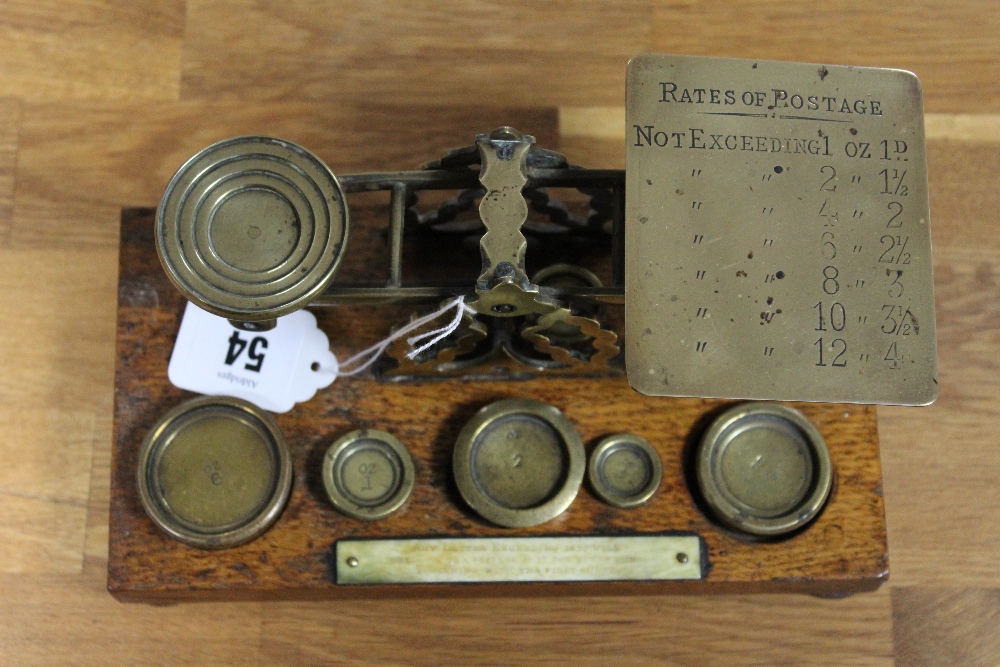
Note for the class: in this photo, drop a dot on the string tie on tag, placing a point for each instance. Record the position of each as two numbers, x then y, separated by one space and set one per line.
429 338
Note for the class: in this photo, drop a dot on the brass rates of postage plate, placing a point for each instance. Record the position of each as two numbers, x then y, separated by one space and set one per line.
519 462
777 232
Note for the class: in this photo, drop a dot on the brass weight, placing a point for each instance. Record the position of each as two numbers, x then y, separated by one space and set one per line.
214 472
624 470
519 462
368 474
764 469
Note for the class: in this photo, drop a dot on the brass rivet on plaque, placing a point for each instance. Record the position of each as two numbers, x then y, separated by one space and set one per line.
252 228
368 474
624 470
214 472
764 469
519 462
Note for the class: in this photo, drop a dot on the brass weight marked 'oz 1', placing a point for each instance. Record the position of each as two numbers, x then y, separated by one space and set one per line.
252 228
519 462
764 469
214 472
368 474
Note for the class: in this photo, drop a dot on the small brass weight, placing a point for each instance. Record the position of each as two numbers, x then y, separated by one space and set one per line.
769 241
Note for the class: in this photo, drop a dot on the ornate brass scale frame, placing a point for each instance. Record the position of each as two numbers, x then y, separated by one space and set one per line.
544 327
513 175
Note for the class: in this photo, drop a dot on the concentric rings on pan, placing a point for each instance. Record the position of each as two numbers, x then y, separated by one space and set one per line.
252 228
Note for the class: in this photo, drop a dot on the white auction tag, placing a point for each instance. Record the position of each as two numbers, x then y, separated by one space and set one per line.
273 369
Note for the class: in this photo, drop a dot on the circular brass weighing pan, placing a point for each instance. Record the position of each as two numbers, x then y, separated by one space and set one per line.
518 463
214 472
252 228
625 470
368 474
764 469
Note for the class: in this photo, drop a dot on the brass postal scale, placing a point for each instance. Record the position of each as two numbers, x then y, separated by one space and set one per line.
653 380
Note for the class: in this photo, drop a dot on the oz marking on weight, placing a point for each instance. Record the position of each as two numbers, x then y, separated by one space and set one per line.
367 470
837 349
896 287
214 471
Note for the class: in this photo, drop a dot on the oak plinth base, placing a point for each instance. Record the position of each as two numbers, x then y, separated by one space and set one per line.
842 551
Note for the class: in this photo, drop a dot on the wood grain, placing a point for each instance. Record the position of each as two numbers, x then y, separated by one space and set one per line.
951 46
113 95
82 49
963 213
969 128
697 632
552 53
54 353
10 117
89 627
946 626
942 494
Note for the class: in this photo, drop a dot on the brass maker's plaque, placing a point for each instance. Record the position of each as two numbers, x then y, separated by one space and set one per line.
519 559
777 232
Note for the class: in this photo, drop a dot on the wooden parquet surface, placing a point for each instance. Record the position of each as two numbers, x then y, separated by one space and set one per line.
99 104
